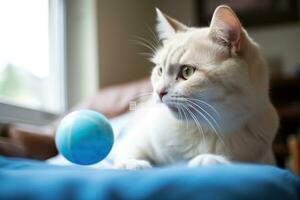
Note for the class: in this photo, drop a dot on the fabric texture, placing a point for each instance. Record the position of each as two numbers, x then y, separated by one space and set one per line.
25 179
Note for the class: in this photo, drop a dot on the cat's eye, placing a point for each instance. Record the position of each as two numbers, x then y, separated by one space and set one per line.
159 71
187 71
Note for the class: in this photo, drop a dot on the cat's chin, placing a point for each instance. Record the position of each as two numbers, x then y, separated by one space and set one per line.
175 112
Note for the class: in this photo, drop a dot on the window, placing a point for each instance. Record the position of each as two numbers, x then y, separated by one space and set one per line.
31 60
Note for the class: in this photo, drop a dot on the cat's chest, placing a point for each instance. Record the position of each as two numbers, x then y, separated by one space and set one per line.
174 141
181 148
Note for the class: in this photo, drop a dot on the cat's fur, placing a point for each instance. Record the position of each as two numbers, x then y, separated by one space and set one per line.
227 96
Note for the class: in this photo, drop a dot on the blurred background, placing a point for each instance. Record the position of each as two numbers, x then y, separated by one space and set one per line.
56 53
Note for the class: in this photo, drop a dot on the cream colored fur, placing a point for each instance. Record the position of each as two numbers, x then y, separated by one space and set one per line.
230 86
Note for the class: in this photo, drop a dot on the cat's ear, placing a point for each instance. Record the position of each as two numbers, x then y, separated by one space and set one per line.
167 26
226 27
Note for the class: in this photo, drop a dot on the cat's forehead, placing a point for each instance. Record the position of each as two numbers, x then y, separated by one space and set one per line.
191 47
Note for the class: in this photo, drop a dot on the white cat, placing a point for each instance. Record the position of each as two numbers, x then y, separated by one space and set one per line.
213 106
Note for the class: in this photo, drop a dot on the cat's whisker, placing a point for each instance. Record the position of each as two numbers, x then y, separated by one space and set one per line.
199 112
183 114
211 120
156 39
209 105
198 125
206 103
187 124
146 43
208 121
179 110
181 105
153 45
146 54
186 114
192 107
207 113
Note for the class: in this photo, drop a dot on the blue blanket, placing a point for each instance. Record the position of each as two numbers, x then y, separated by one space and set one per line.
25 179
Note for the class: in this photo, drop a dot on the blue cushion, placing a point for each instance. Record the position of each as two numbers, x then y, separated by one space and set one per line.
25 179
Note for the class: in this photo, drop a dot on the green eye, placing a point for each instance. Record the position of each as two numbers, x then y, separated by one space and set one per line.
187 72
159 71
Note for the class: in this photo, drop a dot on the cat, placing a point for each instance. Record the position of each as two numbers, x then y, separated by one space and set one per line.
211 106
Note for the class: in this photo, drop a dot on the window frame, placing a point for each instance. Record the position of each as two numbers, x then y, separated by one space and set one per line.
17 114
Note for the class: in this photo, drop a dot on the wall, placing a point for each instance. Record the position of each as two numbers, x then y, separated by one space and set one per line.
120 22
182 10
280 44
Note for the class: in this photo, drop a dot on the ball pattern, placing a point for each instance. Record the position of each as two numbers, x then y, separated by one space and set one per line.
84 137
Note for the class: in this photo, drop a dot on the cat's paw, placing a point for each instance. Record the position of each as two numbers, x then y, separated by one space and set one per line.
207 159
133 164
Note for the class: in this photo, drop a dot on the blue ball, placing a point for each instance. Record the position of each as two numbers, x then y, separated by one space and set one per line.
84 137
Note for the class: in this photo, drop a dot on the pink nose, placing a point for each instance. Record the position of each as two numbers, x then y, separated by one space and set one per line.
161 94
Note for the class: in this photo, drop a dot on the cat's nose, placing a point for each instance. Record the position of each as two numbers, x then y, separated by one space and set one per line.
161 93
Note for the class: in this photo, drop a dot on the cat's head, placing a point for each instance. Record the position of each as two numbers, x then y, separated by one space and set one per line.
199 67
